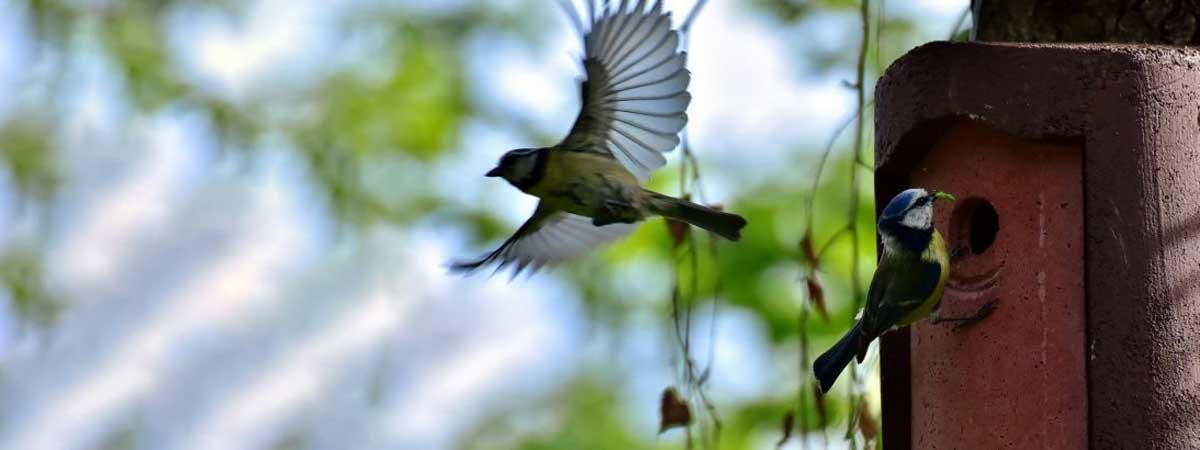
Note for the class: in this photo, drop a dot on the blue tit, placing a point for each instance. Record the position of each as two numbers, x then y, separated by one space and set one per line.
907 285
589 185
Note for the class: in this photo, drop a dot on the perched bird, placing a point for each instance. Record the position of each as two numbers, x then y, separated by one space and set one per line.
907 285
589 185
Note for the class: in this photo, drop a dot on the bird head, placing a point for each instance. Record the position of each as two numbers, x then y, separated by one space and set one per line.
907 220
522 167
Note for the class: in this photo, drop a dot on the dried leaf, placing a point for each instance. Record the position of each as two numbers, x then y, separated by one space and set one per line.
810 252
866 422
816 295
789 420
819 403
674 410
679 231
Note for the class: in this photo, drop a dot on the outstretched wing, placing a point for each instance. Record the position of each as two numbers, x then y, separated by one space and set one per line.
635 97
547 238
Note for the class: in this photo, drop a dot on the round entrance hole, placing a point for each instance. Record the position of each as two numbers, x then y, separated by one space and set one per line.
975 225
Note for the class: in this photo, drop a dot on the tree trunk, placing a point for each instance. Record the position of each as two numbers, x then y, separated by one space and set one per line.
1125 21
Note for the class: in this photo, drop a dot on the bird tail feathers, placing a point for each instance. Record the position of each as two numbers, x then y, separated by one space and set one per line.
830 364
726 225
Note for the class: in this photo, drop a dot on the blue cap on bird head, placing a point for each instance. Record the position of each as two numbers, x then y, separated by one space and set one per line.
901 202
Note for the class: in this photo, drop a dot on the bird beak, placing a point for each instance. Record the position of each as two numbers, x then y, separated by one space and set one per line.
939 195
493 173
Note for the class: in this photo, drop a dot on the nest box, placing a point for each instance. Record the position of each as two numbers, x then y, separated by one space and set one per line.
1077 172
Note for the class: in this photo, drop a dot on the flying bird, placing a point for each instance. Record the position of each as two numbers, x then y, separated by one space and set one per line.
907 285
634 106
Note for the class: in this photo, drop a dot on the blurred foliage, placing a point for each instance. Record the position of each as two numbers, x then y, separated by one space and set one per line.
363 115
120 439
21 271
134 31
27 152
409 102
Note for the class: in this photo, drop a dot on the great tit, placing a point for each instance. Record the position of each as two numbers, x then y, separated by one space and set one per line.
907 285
634 102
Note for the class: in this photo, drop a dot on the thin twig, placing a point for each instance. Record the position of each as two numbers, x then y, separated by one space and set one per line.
821 162
958 24
858 148
681 314
860 82
880 20
816 182
803 389
845 231
691 17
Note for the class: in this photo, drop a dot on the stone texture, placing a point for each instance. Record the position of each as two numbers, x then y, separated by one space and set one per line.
1127 21
1028 355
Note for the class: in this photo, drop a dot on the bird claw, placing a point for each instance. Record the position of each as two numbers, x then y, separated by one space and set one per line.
959 253
616 212
963 322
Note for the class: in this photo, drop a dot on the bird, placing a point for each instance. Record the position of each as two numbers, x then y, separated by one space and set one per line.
907 285
589 185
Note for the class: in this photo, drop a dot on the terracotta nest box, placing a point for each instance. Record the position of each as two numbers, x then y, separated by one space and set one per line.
1077 169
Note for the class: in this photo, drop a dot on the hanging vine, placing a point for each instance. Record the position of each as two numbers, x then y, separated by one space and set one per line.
694 376
861 422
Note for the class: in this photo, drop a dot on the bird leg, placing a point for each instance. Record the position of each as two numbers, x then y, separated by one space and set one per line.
959 253
962 322
615 211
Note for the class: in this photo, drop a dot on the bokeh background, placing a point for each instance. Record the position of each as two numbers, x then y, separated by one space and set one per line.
224 224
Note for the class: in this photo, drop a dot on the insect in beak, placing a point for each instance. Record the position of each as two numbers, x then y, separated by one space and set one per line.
493 173
939 195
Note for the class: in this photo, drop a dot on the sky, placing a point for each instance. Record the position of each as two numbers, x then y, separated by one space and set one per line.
212 305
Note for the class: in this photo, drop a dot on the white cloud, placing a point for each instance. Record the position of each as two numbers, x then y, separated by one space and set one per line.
134 206
223 291
14 55
483 346
749 96
278 40
252 415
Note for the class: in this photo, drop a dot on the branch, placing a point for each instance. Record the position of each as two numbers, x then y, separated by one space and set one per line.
681 314
691 17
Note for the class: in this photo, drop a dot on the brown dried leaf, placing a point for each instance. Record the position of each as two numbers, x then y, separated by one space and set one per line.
819 403
866 423
678 230
810 252
674 411
816 295
789 420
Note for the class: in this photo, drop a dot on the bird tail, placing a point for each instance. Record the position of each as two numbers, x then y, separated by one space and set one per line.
726 225
830 364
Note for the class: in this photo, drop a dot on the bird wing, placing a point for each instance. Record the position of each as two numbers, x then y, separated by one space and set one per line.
635 95
548 237
900 286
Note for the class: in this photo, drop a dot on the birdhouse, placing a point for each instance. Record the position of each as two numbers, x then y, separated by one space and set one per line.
1077 173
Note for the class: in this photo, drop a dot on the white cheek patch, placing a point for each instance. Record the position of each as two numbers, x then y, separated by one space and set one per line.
918 218
890 243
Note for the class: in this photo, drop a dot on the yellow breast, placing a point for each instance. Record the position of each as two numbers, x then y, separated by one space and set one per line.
579 182
935 253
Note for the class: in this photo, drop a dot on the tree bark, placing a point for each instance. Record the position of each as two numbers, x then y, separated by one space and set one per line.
1173 22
